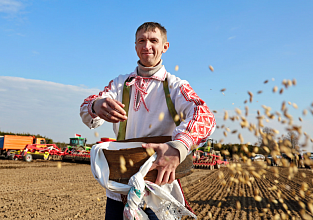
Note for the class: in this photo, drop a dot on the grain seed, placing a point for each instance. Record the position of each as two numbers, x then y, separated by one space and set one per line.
225 115
131 162
96 134
161 116
275 89
223 90
211 68
150 151
238 205
123 164
266 81
176 68
251 96
281 91
59 165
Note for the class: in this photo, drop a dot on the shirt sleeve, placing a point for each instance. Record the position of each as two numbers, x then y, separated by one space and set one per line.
197 121
87 114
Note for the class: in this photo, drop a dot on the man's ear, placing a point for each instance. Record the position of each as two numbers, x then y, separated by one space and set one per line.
166 45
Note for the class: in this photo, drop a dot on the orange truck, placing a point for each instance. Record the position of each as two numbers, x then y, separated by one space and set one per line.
11 144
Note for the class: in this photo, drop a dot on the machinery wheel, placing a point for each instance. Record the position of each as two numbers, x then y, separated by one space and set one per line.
28 158
7 155
217 166
11 157
46 156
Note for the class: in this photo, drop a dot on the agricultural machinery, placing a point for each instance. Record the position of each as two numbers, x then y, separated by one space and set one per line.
206 157
39 151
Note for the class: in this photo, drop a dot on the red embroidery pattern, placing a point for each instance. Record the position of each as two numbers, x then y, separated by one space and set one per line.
141 85
88 101
108 88
202 120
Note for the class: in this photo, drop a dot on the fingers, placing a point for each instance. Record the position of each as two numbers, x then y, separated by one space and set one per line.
116 106
165 176
110 110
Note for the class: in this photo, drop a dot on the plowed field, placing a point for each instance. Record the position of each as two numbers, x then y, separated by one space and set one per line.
44 190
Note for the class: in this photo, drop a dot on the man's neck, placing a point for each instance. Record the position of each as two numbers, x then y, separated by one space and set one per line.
148 71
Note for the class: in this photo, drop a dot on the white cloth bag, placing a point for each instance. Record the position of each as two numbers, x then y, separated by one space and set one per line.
139 191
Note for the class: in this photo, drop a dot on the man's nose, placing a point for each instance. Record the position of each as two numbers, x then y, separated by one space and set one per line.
147 45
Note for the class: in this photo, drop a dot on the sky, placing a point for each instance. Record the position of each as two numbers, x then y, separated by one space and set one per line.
55 53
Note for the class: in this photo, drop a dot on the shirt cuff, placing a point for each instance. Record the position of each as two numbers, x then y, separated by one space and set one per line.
180 147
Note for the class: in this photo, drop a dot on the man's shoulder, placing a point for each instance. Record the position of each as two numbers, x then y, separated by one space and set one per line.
121 78
175 81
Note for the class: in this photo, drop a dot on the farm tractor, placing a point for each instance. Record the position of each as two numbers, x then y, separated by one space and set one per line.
77 150
206 157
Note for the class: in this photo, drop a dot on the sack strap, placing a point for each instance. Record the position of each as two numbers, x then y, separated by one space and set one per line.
126 98
169 102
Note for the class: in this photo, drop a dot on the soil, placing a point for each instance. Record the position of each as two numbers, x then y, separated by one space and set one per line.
60 190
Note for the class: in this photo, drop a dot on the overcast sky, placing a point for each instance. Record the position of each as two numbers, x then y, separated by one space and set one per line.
54 53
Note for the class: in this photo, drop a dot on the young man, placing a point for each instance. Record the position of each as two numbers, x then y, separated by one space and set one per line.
148 113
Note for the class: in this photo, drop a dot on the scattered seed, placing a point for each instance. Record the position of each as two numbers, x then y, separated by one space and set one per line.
258 198
275 89
238 205
295 105
59 165
209 215
176 68
150 151
251 96
131 162
211 68
96 134
150 126
161 116
123 164
223 90
266 81
225 115
281 91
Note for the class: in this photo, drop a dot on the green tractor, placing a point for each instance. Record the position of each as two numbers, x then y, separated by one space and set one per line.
78 144
208 146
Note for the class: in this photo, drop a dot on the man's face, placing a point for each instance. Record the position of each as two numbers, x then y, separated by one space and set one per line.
150 46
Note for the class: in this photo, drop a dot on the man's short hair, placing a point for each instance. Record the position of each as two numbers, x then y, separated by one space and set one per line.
151 26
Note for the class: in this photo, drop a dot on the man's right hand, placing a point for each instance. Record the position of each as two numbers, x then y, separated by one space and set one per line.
109 110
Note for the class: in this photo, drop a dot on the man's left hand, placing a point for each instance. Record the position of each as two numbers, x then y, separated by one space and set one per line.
167 160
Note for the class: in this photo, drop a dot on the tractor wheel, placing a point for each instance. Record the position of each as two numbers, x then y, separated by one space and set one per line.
11 157
7 154
46 156
217 166
28 158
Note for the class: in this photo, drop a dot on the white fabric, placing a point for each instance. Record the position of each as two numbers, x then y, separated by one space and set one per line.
157 198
